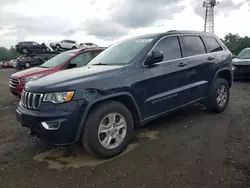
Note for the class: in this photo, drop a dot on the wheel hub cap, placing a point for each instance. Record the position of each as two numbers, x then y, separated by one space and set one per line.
112 130
222 95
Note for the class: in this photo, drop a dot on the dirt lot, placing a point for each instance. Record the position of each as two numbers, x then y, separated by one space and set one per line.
190 148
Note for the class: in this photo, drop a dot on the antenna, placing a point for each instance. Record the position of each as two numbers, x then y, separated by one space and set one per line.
209 15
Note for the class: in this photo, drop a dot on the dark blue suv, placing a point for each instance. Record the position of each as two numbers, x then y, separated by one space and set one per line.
129 84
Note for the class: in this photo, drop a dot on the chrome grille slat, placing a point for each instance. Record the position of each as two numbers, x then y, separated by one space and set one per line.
31 100
34 101
24 99
14 82
28 100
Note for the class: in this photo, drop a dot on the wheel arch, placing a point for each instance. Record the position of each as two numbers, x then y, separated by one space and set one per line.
125 98
225 74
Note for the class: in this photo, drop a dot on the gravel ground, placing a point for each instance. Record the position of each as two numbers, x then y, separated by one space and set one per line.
189 148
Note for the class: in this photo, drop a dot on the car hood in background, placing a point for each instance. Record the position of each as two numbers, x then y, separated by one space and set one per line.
237 61
29 72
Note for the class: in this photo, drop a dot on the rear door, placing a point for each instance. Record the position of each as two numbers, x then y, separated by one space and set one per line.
64 44
201 65
165 84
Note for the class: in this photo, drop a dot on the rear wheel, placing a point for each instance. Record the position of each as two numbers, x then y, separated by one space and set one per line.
58 46
108 130
27 65
219 96
73 47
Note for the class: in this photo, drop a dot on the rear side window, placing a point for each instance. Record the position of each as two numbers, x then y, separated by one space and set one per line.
170 47
193 45
212 45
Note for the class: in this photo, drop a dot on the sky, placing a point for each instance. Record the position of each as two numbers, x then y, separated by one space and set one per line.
106 21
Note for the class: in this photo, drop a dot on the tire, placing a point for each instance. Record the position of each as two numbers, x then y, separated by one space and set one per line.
58 46
212 102
27 65
91 138
73 47
25 50
44 49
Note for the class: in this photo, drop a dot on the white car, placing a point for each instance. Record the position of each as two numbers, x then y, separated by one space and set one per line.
64 44
87 45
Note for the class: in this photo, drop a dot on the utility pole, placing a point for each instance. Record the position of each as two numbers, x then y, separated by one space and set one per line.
209 15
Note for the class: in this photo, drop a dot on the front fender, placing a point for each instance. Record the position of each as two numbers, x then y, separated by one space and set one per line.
95 98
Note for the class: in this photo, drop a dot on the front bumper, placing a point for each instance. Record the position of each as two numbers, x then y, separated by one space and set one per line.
68 117
16 91
241 73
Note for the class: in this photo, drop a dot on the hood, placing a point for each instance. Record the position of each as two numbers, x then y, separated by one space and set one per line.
67 78
237 61
29 72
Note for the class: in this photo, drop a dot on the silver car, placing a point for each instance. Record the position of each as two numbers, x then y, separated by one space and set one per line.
241 64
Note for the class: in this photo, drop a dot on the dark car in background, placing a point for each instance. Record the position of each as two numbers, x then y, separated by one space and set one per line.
31 47
62 61
27 61
129 84
241 64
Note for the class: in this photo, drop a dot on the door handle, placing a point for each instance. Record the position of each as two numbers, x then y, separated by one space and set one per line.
210 58
182 64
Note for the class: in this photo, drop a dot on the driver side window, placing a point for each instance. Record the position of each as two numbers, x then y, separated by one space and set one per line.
81 59
170 48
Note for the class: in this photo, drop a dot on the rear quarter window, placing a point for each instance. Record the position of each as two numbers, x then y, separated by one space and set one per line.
212 45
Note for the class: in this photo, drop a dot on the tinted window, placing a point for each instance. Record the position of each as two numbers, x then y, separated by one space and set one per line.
122 52
81 59
193 45
212 45
170 47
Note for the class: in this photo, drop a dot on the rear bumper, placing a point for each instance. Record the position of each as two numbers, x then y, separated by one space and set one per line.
67 123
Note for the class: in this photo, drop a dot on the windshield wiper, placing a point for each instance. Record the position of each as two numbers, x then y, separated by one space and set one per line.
43 66
100 64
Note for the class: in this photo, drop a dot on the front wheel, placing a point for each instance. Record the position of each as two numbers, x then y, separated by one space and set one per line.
219 96
108 129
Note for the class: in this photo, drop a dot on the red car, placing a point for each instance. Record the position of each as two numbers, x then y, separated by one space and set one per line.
66 60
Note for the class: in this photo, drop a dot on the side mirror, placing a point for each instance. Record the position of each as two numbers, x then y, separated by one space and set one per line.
70 66
154 57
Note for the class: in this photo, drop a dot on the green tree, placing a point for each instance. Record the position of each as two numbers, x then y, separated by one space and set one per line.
236 43
8 54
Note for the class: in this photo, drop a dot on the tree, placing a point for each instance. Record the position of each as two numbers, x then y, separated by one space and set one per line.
235 43
7 54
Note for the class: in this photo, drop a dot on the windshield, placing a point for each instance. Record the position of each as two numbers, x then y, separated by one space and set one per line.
121 53
57 60
244 54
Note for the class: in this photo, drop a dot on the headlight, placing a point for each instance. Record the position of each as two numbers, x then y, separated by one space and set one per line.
59 97
30 78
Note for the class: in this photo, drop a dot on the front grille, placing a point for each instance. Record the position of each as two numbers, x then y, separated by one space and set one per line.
31 100
14 82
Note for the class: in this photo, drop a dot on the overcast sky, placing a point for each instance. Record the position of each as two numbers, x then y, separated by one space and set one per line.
106 21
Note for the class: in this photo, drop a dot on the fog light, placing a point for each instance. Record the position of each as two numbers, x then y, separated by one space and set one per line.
51 125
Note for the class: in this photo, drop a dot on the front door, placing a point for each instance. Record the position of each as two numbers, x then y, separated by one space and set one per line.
166 84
